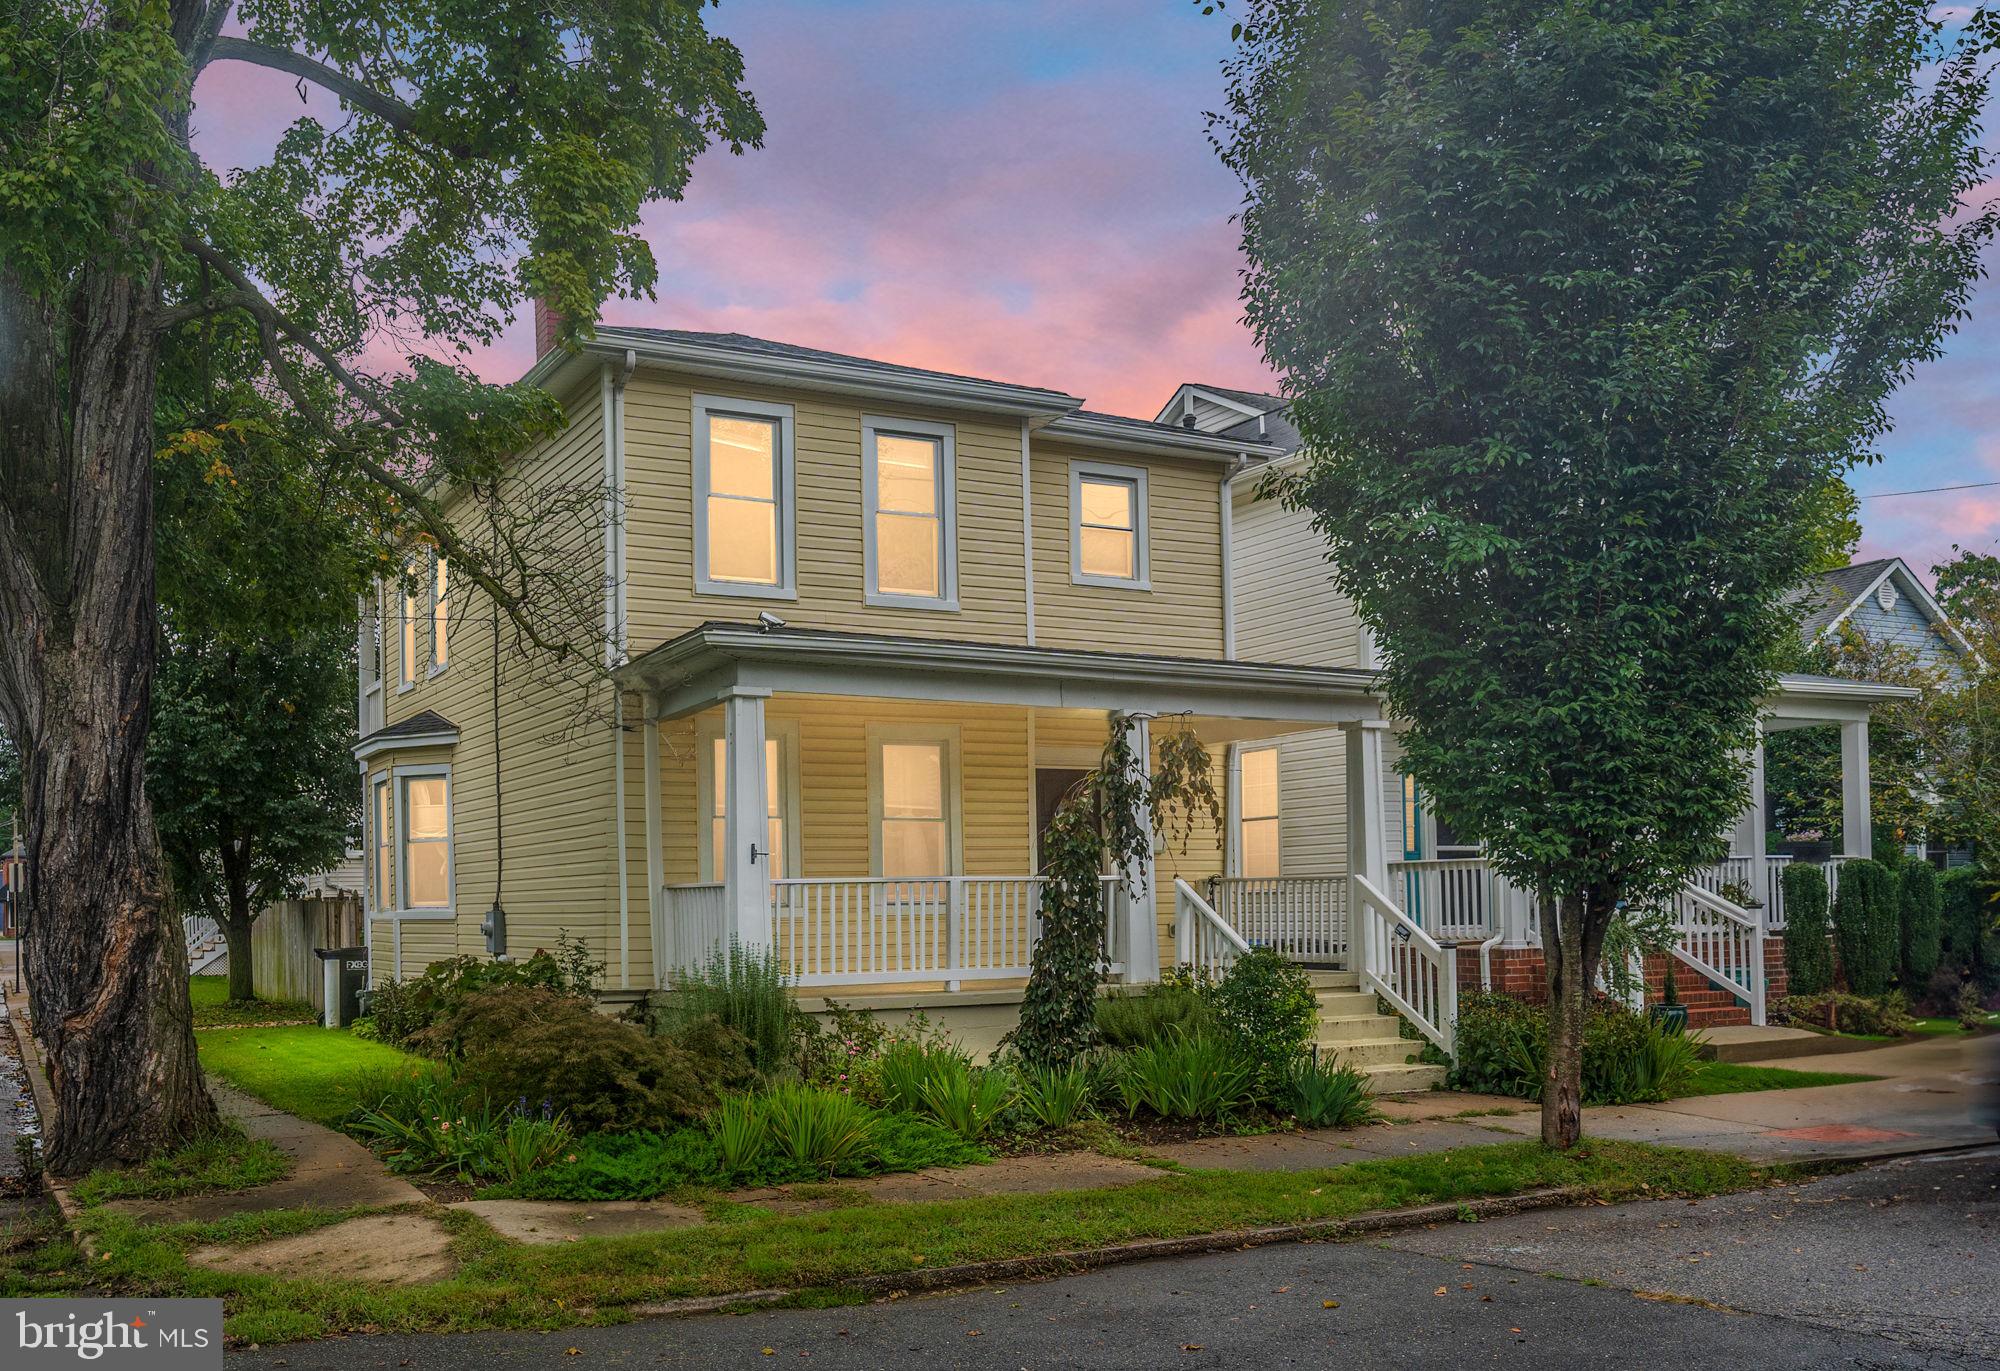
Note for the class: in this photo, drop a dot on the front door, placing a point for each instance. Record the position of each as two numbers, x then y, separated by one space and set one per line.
1052 786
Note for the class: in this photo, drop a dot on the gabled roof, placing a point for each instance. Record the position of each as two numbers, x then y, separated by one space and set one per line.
1265 418
1830 597
425 728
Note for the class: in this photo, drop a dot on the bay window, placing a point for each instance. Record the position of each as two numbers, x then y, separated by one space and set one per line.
424 850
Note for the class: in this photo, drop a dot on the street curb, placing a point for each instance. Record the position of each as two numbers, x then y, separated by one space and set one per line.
1152 1249
36 1070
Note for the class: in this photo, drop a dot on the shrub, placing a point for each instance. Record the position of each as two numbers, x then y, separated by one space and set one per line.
744 989
1200 1076
1324 1094
1967 943
1872 1016
1265 1003
427 1124
605 1076
1134 1019
1921 909
835 1052
967 1100
1808 949
402 1011
822 1131
1867 925
1054 1096
1627 1058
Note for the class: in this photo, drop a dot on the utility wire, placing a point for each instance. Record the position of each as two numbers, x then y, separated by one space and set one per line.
1927 490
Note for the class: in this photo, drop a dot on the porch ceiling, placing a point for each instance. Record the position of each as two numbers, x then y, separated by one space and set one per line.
704 665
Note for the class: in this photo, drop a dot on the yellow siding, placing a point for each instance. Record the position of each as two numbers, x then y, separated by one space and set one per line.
1181 615
556 770
659 466
1287 608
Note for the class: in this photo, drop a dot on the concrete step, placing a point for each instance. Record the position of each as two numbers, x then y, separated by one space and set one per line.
1403 1079
1371 1052
1355 1027
1346 1004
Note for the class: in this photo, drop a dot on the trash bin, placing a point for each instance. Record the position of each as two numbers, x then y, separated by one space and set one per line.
345 973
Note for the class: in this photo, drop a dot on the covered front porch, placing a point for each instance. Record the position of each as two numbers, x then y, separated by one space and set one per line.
871 807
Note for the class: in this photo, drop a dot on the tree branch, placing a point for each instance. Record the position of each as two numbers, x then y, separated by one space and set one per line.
394 112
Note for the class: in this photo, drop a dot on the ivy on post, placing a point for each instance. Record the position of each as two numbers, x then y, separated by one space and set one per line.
1110 821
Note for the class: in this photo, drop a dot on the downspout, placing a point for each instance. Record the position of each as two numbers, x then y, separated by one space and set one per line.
613 393
1028 530
1228 557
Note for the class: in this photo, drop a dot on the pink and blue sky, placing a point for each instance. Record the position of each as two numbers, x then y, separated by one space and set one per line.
1023 189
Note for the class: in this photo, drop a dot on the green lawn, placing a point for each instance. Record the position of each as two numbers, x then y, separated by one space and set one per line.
500 1284
1950 1027
212 1007
311 1072
1728 1078
226 1161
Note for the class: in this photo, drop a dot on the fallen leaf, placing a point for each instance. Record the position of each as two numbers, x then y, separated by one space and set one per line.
572 1351
1329 1304
1439 1291
1190 1347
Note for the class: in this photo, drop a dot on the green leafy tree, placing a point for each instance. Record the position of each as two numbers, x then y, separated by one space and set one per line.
1921 909
480 155
1808 936
1867 925
1114 819
1581 308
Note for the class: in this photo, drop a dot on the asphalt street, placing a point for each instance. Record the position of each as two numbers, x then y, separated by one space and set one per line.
1896 1266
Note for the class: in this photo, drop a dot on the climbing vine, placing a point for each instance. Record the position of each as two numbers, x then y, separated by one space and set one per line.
1103 824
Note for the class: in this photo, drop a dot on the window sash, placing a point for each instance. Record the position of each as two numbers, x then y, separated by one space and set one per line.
1108 526
744 511
382 820
908 499
410 611
915 810
440 616
434 851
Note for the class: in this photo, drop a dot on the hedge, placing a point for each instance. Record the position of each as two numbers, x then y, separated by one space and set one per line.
1867 925
1922 911
1808 946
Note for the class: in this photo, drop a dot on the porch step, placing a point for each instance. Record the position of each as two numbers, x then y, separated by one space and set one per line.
1369 1052
1400 1080
1334 980
1346 1004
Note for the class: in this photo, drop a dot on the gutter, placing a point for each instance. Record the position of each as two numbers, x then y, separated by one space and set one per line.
613 394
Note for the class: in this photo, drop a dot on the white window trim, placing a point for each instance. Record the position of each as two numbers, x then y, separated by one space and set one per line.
1141 562
433 667
954 809
706 732
785 490
400 775
947 493
1234 804
371 838
406 633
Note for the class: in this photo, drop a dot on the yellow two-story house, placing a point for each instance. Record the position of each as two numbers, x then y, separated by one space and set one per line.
869 623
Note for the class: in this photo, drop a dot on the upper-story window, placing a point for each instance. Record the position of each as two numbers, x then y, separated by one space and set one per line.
908 508
440 616
743 521
371 640
412 607
1108 525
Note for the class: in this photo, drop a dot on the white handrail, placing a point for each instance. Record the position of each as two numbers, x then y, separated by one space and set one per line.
1723 942
1203 939
1304 917
1405 965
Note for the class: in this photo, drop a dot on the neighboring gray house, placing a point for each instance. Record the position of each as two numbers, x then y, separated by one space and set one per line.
1884 602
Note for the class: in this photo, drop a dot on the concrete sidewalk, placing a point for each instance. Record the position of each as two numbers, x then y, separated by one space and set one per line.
1924 1102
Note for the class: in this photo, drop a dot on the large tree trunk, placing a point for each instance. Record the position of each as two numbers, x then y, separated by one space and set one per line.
1570 958
107 961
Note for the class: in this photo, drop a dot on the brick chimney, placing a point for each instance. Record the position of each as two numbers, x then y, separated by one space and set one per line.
548 328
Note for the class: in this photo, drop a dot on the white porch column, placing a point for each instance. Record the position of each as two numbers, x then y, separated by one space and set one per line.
656 858
1141 928
1367 814
746 866
1750 838
1857 829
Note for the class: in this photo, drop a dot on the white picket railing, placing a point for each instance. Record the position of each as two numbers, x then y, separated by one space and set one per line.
1451 897
1723 942
200 929
1404 964
1304 917
1203 939
881 931
690 925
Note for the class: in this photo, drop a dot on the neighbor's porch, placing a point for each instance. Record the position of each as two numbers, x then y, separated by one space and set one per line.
871 808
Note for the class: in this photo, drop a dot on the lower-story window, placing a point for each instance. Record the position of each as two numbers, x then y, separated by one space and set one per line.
382 830
1257 812
425 855
914 796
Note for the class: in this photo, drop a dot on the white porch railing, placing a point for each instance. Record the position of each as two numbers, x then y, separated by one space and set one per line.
1203 939
690 925
1723 942
200 929
1449 897
882 931
1304 917
1405 965
1741 871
